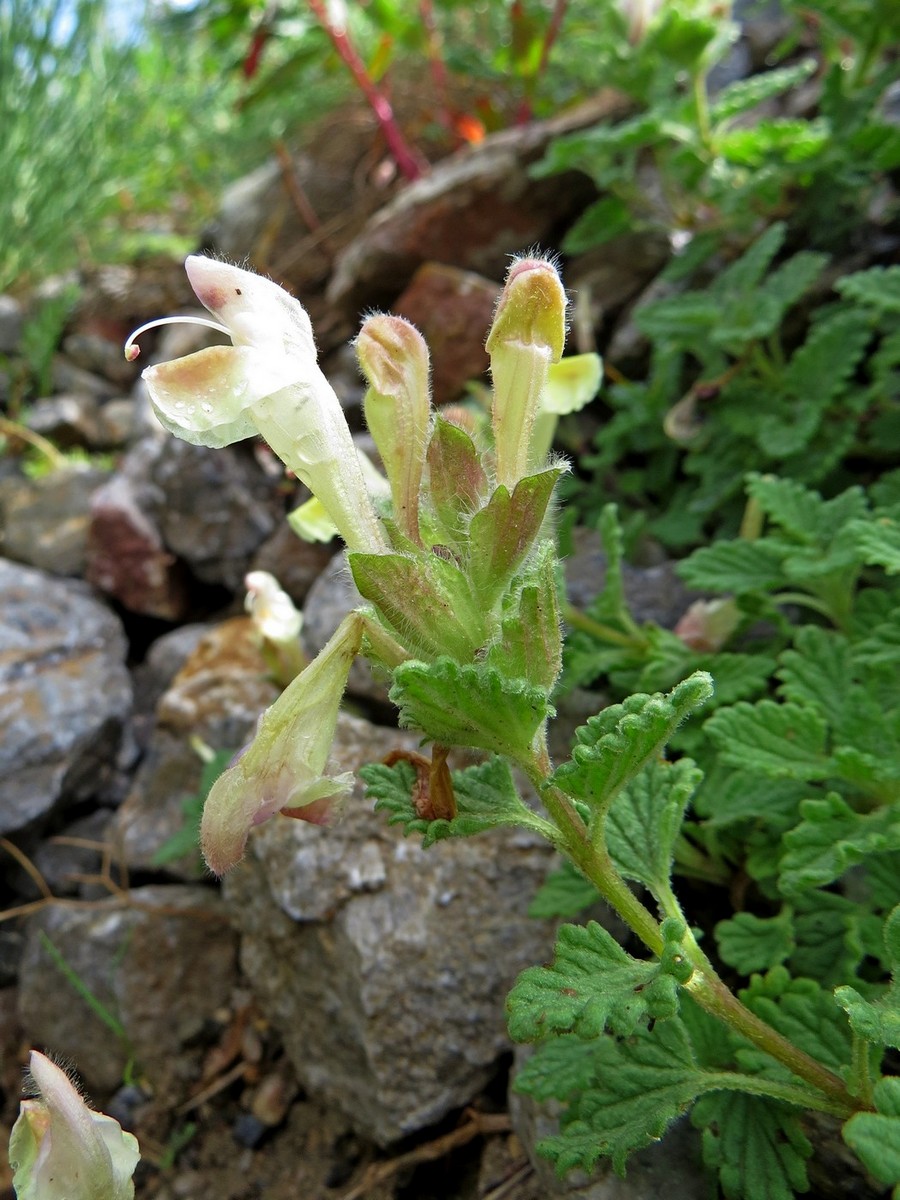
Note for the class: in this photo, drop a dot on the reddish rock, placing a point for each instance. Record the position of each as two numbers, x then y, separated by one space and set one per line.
126 558
453 309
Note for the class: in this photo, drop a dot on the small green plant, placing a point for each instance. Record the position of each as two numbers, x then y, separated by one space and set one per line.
462 611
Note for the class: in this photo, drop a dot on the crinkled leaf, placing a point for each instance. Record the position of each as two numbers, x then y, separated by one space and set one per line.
557 1068
615 745
595 985
530 646
833 936
486 797
641 1085
878 287
470 705
878 541
458 483
564 893
795 509
804 1012
830 839
747 93
755 1145
600 221
645 819
878 1021
875 1137
751 943
783 740
733 566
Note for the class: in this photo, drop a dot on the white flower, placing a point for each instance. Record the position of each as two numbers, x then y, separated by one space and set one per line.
268 382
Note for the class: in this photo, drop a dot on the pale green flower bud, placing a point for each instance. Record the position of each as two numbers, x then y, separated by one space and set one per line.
394 359
60 1149
282 770
528 334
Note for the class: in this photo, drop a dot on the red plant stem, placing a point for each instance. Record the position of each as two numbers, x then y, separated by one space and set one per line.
409 163
556 20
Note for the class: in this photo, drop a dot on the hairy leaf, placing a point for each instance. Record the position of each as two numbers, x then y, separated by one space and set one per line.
615 745
785 740
752 943
804 1012
564 893
875 1137
733 566
645 819
594 985
471 705
830 839
756 1145
878 1021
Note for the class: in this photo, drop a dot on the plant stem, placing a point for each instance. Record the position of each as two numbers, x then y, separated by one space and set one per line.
705 986
604 633
409 163
756 1085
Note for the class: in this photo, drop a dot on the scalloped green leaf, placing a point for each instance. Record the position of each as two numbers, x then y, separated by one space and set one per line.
804 1012
645 819
613 747
831 838
751 943
879 1020
782 740
470 705
594 985
564 893
755 1145
875 1137
503 532
733 566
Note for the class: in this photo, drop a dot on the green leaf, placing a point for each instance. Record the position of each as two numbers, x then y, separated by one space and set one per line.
878 287
787 503
641 1086
878 1021
599 223
530 645
458 483
645 819
557 1068
780 138
833 936
878 541
615 745
486 797
470 705
733 566
781 740
756 1145
830 839
426 599
750 943
804 1012
745 94
875 1137
564 893
503 532
595 985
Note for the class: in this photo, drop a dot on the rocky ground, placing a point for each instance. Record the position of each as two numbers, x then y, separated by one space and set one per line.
329 1023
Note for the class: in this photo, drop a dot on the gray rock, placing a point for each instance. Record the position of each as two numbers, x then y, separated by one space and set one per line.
217 696
385 967
160 960
218 508
654 593
164 660
330 598
11 322
69 420
66 694
66 376
671 1167
45 521
66 865
295 563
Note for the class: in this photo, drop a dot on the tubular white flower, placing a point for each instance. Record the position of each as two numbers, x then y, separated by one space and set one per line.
60 1149
268 382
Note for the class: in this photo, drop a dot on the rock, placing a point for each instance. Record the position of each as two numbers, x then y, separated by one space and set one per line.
453 309
66 376
628 345
218 507
165 658
66 695
45 521
102 355
385 967
160 961
486 190
295 563
330 598
126 556
217 696
67 420
670 1167
605 279
64 864
12 320
654 593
